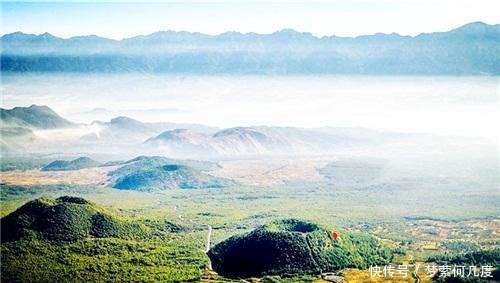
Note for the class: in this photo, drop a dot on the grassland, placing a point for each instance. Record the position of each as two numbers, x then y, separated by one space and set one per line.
409 214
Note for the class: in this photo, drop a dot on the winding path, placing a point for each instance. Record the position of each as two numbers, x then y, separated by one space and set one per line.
207 247
209 234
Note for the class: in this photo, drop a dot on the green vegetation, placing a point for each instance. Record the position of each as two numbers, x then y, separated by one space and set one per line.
154 161
294 246
157 173
460 246
76 164
167 259
64 219
477 258
168 228
73 240
482 257
13 196
352 172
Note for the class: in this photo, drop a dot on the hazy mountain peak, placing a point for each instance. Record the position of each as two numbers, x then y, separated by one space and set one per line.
47 35
287 31
291 33
40 108
91 38
185 135
36 116
477 28
17 35
240 131
122 119
230 34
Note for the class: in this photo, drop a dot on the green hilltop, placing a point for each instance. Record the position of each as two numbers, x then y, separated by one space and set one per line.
76 164
70 239
64 219
293 246
159 173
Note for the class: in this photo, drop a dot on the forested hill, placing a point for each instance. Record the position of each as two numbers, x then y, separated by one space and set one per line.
473 49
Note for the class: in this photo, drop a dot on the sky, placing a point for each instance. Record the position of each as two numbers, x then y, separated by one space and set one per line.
119 20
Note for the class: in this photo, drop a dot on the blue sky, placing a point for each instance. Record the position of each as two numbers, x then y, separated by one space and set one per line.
340 17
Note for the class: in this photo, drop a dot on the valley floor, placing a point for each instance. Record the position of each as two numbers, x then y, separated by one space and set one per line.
421 217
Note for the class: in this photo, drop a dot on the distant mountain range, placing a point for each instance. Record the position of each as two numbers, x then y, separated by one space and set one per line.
472 49
17 125
135 131
128 137
260 140
125 135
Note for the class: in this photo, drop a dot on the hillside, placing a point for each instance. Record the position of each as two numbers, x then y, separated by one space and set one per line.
261 140
470 49
159 173
180 142
232 141
34 116
176 140
127 130
250 140
17 126
73 240
64 219
130 137
294 247
76 164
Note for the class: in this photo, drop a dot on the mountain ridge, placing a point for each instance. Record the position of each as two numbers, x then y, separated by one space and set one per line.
472 49
176 140
34 116
259 140
47 35
75 164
